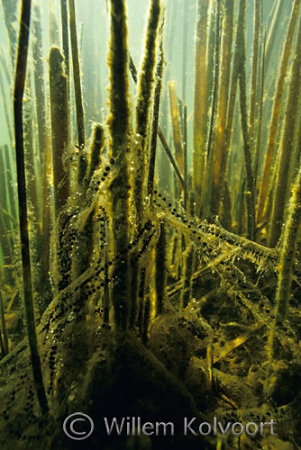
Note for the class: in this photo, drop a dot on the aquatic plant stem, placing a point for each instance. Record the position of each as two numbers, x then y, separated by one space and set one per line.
22 200
285 153
97 146
221 153
285 267
3 330
144 98
171 157
255 92
59 127
154 133
160 269
78 93
288 249
208 179
65 38
200 101
161 135
119 143
250 195
276 114
37 51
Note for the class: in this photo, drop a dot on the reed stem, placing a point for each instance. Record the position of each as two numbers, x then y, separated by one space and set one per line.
22 200
155 122
78 93
175 121
39 100
144 99
5 349
276 113
119 129
200 129
286 147
59 127
220 155
65 38
207 182
250 195
160 269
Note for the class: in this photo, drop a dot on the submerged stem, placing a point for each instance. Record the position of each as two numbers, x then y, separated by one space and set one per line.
119 128
78 92
22 198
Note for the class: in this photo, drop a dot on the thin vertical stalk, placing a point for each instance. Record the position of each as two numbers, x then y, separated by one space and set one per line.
78 93
184 51
3 328
106 295
160 269
59 127
171 158
188 264
141 302
2 346
278 12
250 196
254 76
22 200
185 155
65 37
97 146
201 94
4 69
175 121
155 122
46 228
260 114
7 221
10 9
39 104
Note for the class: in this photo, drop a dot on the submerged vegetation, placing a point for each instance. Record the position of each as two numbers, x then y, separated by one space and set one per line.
155 266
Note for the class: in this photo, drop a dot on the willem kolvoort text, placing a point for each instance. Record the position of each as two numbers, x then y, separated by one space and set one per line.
134 426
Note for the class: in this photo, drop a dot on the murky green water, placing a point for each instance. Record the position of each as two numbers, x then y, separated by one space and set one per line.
150 224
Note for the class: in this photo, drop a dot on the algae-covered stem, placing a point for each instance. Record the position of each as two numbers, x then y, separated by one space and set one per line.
65 40
285 152
161 136
250 196
78 92
119 145
144 99
290 238
288 250
22 198
59 109
200 100
156 106
207 182
276 114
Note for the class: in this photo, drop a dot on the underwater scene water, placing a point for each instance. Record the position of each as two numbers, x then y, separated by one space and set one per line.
150 211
